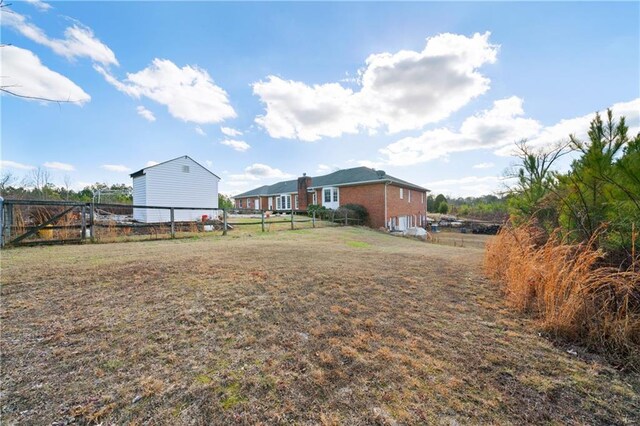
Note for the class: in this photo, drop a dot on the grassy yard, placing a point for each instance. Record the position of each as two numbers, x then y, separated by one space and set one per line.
315 326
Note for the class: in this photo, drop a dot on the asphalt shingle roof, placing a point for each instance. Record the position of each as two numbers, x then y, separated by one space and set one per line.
337 178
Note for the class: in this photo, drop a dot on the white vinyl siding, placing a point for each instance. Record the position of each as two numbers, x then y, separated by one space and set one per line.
177 183
140 197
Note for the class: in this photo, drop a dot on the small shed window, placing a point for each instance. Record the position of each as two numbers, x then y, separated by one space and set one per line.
185 169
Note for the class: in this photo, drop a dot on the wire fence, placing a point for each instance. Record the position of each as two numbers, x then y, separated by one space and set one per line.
38 222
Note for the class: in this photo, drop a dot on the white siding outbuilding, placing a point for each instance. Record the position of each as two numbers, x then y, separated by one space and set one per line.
181 182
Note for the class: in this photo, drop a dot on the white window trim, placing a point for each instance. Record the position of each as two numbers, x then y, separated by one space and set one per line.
315 197
402 193
409 195
334 194
297 202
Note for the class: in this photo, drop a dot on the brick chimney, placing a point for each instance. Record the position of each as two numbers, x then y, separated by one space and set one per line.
304 183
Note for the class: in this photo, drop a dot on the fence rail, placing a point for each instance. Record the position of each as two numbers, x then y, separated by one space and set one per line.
33 222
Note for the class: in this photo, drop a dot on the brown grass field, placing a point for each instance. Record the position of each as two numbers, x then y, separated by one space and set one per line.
316 326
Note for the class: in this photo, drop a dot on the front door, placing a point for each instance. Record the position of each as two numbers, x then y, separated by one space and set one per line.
257 204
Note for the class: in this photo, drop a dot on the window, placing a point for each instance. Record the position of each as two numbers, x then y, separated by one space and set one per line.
401 193
327 195
315 197
409 195
296 198
422 197
185 169
240 203
283 202
335 195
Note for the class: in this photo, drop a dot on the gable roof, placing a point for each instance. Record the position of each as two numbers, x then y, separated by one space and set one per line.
141 171
354 176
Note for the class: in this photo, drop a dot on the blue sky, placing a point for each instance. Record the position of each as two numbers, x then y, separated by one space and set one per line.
434 93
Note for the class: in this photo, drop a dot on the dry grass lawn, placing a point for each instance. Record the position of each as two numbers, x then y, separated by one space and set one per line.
323 326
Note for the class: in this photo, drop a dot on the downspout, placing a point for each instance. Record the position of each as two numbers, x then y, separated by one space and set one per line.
386 222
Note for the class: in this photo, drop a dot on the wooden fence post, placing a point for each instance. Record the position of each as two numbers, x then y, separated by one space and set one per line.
83 221
291 218
313 219
91 220
2 221
262 220
224 222
173 223
346 217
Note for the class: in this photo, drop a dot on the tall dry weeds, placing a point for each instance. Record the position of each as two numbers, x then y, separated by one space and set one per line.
563 286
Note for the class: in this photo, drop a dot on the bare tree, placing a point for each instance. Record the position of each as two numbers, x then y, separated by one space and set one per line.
67 185
6 180
39 179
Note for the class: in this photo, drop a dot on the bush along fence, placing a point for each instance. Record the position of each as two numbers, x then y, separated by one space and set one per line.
38 222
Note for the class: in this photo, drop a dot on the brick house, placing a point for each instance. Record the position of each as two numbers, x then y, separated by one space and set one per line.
391 202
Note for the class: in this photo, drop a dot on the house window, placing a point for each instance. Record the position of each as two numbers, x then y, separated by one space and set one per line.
185 169
240 203
315 197
422 197
296 198
409 195
283 202
401 193
331 198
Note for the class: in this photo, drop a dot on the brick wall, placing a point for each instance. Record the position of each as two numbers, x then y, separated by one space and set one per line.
370 196
397 206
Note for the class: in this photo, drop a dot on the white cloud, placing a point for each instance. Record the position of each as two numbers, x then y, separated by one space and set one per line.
469 186
79 40
23 74
230 131
579 126
399 91
483 165
145 113
40 5
259 171
151 163
119 168
209 163
8 164
56 165
240 146
199 131
189 93
499 126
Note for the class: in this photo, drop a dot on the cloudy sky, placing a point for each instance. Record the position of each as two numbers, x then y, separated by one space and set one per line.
434 93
